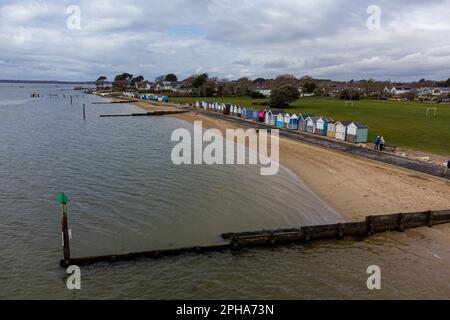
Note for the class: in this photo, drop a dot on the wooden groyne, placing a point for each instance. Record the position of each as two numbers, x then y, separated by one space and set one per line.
147 114
269 238
113 102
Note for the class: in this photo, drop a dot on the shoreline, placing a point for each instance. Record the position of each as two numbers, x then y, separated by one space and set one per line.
356 187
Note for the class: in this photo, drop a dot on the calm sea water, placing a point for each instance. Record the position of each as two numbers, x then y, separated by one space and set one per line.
127 196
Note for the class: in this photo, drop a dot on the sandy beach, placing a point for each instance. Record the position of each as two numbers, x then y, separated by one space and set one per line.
356 187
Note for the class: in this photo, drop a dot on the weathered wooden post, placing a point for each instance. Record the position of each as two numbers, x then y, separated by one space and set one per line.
71 100
84 111
62 200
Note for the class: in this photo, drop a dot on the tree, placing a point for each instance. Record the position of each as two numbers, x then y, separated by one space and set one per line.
259 80
171 77
243 86
348 94
136 81
100 83
284 80
257 95
200 80
282 96
317 92
122 81
309 87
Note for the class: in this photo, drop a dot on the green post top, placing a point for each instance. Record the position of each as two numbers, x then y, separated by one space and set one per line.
62 198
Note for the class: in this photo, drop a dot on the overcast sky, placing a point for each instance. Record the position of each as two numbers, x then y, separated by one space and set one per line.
225 38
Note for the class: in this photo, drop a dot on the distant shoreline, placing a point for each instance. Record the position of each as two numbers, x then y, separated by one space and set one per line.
46 82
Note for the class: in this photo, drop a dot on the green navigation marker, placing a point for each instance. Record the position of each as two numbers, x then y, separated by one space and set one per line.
62 198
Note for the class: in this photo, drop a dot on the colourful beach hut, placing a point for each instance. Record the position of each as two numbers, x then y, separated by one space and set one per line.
273 118
239 111
293 122
357 132
321 126
280 120
268 116
331 132
227 110
302 123
287 119
341 130
311 124
247 113
262 116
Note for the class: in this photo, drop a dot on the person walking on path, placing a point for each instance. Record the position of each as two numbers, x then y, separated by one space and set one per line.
446 169
377 143
382 143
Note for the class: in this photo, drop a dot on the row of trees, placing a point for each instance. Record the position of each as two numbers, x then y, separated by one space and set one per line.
284 88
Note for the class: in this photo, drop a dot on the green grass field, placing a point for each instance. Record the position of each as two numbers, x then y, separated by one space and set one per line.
402 124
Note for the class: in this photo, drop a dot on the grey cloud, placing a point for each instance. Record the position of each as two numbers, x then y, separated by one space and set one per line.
324 38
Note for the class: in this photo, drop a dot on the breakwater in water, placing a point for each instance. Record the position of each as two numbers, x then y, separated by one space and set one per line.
266 238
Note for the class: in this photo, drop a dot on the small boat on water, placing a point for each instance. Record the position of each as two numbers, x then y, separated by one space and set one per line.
35 95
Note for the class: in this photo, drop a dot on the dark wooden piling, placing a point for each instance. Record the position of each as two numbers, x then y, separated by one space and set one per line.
62 200
84 111
270 238
147 114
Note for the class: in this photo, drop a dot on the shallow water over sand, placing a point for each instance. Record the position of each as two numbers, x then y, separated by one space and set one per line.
128 196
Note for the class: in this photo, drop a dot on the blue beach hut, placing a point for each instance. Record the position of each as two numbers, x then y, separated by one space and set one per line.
280 120
321 126
293 122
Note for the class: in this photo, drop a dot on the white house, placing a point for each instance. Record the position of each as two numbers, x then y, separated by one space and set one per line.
397 91
440 91
266 92
425 91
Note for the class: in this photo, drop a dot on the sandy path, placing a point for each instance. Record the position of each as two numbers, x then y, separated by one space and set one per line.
354 186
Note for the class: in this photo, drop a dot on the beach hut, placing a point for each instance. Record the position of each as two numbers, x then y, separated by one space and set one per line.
227 109
311 124
331 132
165 99
280 120
239 111
293 122
357 132
247 113
273 118
302 123
287 119
321 126
268 116
341 130
262 116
